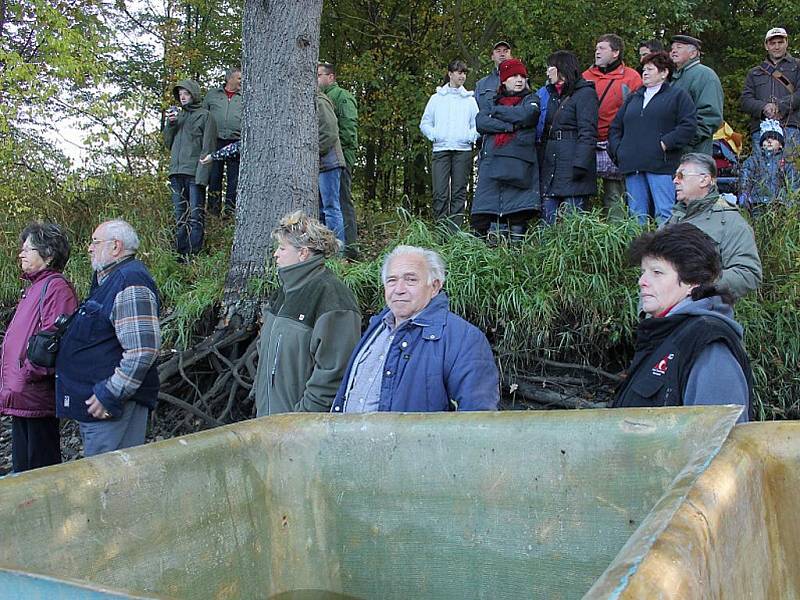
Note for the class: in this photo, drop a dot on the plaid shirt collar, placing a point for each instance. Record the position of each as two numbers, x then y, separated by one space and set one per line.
105 271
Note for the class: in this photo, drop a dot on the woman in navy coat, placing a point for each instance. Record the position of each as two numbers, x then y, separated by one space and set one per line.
648 137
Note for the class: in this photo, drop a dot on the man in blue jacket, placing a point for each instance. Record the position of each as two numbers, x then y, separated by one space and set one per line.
416 355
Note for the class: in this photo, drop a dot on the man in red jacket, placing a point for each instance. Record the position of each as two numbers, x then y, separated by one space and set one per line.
613 81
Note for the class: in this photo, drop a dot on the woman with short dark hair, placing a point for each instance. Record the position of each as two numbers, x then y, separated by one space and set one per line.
569 137
689 351
27 391
648 136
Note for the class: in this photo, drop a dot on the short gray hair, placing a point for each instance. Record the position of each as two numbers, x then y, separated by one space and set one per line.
704 161
436 268
117 229
230 72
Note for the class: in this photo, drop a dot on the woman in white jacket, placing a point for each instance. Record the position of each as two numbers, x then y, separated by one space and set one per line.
449 122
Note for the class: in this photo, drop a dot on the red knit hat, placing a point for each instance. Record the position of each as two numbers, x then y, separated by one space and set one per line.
512 66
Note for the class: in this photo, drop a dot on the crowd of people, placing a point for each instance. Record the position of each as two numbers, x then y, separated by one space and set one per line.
612 124
645 135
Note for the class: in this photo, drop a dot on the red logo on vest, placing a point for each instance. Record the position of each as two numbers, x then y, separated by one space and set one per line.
661 366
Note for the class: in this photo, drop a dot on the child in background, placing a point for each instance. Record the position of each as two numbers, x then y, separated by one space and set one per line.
767 175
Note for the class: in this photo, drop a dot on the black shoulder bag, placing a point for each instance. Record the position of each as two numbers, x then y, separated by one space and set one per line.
43 345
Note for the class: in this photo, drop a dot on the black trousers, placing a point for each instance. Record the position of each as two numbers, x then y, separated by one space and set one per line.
35 442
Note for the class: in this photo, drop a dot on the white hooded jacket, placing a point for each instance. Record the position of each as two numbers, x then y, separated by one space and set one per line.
449 119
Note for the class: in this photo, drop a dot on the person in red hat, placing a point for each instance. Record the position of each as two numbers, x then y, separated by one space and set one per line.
508 174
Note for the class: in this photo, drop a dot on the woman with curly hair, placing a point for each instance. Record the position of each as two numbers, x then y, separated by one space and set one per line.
310 326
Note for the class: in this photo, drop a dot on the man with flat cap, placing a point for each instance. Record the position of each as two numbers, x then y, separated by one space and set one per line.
771 90
487 87
703 85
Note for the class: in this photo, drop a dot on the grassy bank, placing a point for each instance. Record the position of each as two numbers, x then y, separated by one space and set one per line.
565 294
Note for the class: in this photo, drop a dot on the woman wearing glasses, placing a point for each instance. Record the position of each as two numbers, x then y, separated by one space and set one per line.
27 391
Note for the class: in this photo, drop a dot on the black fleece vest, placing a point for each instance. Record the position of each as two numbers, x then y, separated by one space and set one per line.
666 350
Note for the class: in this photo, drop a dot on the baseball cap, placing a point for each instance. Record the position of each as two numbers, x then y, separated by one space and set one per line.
776 32
502 43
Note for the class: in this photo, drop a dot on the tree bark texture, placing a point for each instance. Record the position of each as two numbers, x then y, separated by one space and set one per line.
280 139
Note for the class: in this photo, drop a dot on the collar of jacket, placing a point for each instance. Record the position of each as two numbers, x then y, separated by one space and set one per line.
39 275
786 57
297 275
430 319
101 275
611 67
326 88
641 89
677 74
696 207
446 89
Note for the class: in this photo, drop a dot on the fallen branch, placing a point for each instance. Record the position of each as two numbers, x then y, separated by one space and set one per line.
189 408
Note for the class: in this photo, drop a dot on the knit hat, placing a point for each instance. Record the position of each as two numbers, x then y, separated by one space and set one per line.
512 66
770 128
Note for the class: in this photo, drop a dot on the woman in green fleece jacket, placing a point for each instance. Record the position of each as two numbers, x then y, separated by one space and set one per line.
311 325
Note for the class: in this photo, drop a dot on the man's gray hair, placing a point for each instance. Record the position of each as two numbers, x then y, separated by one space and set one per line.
230 72
704 161
117 229
436 268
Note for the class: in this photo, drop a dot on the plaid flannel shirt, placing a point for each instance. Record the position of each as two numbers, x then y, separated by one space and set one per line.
135 320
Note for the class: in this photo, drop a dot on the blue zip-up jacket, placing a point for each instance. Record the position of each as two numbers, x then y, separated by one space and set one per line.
90 352
436 362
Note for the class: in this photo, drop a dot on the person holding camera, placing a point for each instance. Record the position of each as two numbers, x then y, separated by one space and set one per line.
106 375
27 391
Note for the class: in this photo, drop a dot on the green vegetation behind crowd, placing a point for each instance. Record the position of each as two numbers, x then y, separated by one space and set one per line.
565 294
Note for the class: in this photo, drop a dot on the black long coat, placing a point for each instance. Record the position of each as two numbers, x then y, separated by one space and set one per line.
517 157
569 143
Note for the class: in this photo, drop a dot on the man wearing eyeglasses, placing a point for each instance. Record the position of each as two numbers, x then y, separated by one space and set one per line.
700 204
106 376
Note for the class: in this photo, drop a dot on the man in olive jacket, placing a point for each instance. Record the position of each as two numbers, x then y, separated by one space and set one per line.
190 132
703 85
346 110
225 105
700 204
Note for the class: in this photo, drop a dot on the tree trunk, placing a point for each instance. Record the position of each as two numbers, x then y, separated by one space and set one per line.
280 141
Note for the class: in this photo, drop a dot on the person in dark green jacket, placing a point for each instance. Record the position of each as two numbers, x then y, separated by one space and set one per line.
703 85
346 110
190 133
310 326
225 105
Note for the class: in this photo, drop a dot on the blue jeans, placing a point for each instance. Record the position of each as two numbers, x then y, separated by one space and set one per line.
189 201
329 186
231 166
114 434
551 204
646 190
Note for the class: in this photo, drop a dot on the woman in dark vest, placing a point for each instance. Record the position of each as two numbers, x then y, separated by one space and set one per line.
689 351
